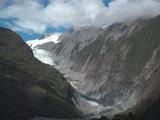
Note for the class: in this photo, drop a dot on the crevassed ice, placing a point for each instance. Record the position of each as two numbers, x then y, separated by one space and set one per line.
43 56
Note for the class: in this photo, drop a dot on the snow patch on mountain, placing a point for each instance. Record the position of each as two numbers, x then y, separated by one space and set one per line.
52 38
43 56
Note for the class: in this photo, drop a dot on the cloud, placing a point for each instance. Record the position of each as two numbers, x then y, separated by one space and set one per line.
120 10
2 2
34 16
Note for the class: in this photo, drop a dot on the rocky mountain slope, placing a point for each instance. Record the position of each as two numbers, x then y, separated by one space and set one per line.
28 87
116 67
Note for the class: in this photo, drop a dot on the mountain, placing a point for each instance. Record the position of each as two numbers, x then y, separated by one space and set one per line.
53 38
41 47
29 88
116 68
74 36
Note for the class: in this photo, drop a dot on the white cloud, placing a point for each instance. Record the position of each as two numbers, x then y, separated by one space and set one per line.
31 15
120 10
1 1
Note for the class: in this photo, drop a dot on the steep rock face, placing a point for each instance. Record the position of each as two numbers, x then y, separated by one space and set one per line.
75 40
28 87
113 67
150 102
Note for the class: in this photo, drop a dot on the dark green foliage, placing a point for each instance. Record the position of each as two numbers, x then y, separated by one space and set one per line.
101 118
129 116
95 119
104 118
27 87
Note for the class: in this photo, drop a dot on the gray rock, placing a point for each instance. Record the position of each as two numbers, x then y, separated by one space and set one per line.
113 67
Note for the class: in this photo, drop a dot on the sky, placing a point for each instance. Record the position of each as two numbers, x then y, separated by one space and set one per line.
34 18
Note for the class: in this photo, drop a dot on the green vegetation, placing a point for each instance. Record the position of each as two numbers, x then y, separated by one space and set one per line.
129 116
28 87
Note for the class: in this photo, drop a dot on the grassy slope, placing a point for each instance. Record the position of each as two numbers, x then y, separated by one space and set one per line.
28 87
